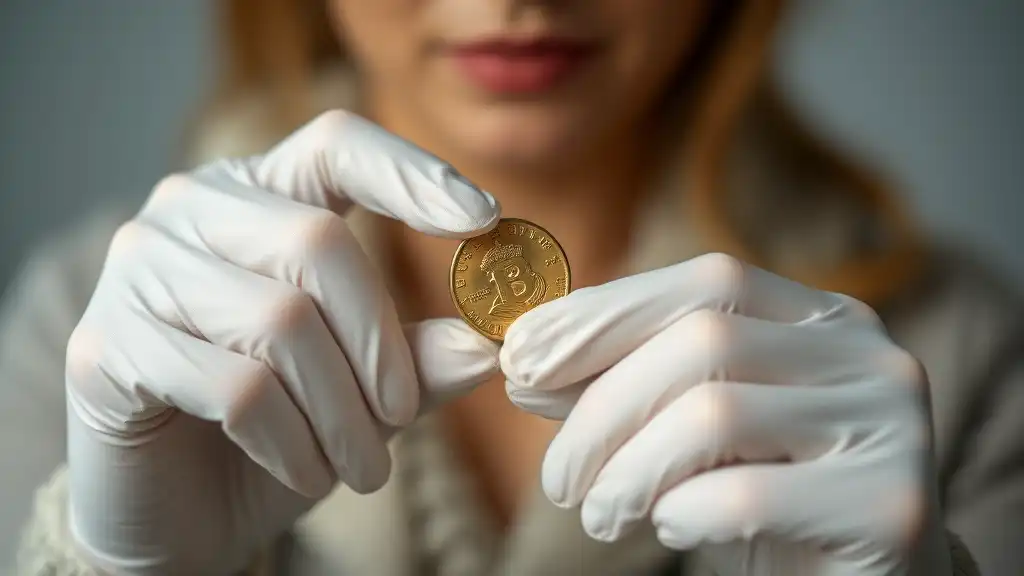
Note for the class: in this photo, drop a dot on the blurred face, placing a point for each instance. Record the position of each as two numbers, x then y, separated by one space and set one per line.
534 84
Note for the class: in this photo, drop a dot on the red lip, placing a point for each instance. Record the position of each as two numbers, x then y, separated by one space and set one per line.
515 66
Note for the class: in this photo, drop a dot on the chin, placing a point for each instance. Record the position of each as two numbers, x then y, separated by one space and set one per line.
524 136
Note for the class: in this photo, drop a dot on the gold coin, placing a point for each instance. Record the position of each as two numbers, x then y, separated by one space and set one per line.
498 276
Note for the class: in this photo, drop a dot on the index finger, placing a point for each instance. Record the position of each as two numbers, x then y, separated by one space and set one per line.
340 159
586 332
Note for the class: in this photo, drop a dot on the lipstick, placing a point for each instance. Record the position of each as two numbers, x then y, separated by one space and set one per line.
520 66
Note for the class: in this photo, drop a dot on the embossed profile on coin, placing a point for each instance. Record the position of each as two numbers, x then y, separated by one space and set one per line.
516 286
501 275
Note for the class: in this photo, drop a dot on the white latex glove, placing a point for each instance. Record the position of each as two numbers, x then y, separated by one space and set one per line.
240 354
774 427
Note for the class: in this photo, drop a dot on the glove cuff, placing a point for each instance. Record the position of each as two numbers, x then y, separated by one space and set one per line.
47 547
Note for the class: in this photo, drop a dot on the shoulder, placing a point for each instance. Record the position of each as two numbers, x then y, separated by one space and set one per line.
243 125
962 302
44 302
965 324
59 273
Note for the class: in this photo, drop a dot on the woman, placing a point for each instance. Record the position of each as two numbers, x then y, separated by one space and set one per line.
247 354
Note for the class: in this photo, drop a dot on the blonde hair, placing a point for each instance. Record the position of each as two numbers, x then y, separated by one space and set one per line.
280 45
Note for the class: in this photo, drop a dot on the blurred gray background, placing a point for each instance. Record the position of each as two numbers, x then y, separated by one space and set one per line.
94 96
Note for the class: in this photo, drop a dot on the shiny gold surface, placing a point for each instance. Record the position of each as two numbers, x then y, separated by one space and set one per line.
498 276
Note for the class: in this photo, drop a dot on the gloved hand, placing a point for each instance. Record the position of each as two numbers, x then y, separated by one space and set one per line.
774 427
240 354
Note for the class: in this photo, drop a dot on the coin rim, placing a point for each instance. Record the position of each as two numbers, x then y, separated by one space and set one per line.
455 260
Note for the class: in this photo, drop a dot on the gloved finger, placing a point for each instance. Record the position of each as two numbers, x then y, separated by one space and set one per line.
814 502
771 553
140 369
589 330
340 159
702 347
733 503
315 251
451 360
274 323
553 404
710 425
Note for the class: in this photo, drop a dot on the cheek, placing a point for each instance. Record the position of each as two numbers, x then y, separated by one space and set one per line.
383 36
653 39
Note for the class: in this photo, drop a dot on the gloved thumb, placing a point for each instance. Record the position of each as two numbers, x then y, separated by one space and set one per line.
451 359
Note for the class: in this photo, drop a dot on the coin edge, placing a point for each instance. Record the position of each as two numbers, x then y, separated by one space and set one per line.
455 261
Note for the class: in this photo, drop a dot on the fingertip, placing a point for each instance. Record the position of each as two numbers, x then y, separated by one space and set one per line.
516 360
670 538
392 176
302 468
526 400
449 354
554 405
554 474
507 366
393 393
455 335
260 418
598 518
316 485
372 475
306 473
398 404
477 211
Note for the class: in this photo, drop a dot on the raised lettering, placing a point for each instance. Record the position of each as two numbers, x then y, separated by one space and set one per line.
476 296
551 261
461 267
560 286
476 319
460 282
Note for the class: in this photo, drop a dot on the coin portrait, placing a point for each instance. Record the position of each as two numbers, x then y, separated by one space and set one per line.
498 276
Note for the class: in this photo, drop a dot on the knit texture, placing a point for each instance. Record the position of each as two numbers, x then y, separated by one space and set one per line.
443 515
48 550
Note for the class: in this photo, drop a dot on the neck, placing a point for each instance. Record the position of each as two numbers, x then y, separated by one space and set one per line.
589 208
588 205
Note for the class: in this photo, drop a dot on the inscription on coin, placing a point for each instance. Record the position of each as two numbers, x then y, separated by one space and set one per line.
499 276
